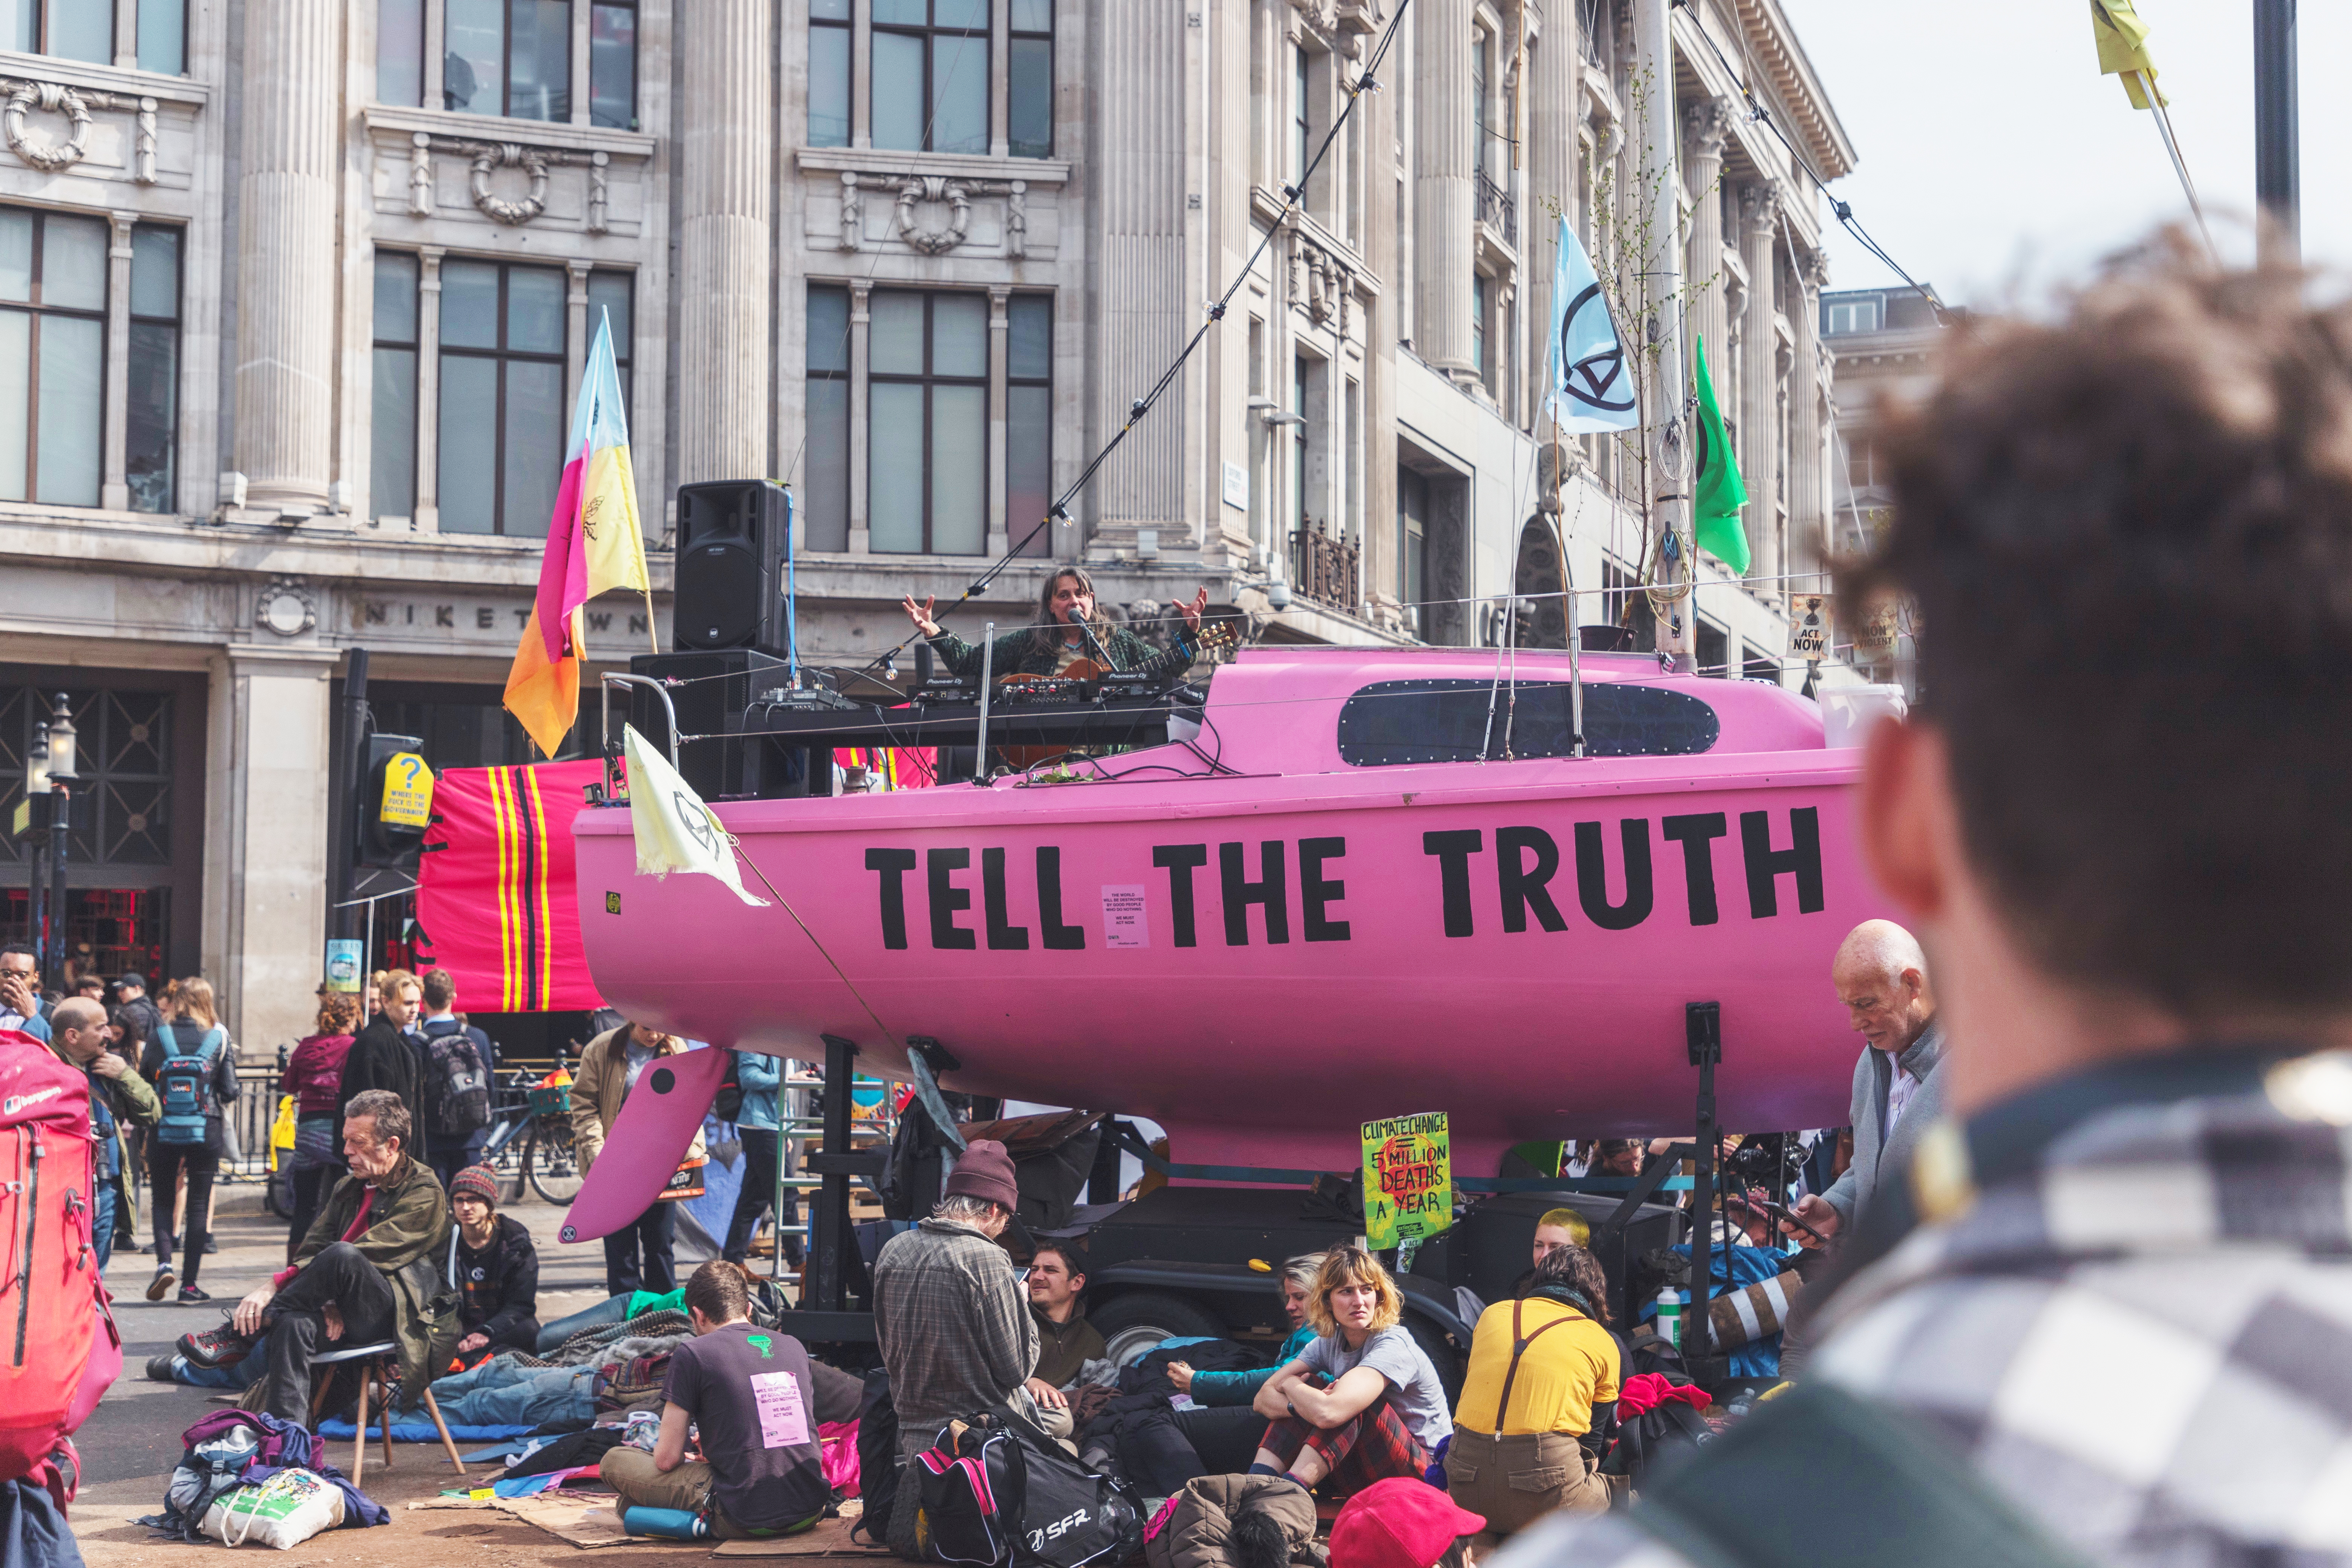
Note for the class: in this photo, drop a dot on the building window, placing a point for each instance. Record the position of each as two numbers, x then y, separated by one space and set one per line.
392 463
1852 315
1412 542
1355 436
931 75
151 415
400 52
613 64
163 35
612 297
825 520
1478 291
52 355
1302 83
1029 89
69 29
1029 420
828 91
1478 125
502 416
1300 372
926 480
513 58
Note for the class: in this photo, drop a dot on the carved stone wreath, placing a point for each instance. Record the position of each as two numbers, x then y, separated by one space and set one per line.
934 188
510 155
45 153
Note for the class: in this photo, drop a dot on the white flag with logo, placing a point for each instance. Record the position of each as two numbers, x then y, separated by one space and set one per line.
675 832
1587 381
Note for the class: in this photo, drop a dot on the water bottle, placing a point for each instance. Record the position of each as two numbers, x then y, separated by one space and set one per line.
676 1523
1670 1317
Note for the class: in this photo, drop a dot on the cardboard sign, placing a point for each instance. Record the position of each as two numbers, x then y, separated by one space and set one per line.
1408 1178
1811 628
407 792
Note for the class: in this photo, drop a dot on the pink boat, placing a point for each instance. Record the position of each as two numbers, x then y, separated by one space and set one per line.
1315 907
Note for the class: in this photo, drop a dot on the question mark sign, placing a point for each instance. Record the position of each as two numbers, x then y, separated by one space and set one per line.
414 763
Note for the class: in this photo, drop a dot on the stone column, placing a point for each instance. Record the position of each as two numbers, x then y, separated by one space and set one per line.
1759 445
1552 112
1444 206
284 439
114 488
728 179
1808 424
272 803
1707 123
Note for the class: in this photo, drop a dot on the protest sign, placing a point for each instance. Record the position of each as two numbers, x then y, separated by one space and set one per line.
1408 1178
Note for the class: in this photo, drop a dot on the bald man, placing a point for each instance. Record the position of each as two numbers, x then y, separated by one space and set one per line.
1881 975
78 1037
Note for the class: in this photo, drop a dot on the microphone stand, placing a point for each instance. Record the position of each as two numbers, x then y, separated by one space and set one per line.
1086 632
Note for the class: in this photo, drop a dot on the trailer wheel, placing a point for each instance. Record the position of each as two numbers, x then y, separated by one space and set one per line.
1134 1322
1439 1348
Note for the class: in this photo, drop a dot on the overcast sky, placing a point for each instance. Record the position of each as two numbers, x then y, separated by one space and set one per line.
1993 158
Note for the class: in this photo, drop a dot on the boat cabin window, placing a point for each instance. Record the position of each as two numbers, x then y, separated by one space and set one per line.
1394 722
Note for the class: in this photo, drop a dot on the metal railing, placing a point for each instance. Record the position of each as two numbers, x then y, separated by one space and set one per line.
1494 208
1325 568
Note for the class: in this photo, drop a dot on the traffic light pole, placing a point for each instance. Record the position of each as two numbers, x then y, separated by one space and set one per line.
343 917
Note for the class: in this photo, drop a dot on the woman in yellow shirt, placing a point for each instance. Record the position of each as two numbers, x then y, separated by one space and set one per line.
1540 1399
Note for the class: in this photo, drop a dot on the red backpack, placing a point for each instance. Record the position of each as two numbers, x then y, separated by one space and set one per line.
59 1349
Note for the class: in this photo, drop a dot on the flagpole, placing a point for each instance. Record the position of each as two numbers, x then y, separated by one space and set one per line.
652 633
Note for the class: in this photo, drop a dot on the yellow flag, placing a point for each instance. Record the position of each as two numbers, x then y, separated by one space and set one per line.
544 694
613 536
2122 38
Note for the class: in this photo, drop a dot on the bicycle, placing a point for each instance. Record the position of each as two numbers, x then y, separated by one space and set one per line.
536 1126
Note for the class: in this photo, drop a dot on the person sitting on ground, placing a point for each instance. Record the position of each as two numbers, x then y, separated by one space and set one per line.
954 1333
749 1393
1361 1403
1539 1400
494 1268
1066 1341
117 1096
369 1271
1221 1427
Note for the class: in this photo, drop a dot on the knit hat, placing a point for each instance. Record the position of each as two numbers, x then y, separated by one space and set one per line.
1400 1522
478 1181
985 1171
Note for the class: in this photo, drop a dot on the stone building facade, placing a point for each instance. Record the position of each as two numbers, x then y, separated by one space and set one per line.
294 296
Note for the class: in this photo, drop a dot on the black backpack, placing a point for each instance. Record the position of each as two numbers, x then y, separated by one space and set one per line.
999 1493
1656 1443
456 1083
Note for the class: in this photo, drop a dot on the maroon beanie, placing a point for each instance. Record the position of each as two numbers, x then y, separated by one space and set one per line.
985 1171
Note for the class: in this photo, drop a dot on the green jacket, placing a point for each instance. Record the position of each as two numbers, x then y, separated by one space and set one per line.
1017 653
407 1239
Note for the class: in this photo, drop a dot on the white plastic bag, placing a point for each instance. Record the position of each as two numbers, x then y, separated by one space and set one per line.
283 1512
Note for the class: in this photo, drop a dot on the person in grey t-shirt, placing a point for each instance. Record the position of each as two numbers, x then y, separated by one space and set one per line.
1362 1402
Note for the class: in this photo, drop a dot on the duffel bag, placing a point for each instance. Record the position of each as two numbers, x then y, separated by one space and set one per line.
1000 1493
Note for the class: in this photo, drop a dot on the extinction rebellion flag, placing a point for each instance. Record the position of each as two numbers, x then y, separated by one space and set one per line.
1589 387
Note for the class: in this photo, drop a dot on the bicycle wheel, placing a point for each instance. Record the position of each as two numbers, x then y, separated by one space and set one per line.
548 1162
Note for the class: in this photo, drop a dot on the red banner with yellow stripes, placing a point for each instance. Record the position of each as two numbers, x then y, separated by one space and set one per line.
496 893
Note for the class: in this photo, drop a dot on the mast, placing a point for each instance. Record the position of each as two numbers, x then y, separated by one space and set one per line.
1664 433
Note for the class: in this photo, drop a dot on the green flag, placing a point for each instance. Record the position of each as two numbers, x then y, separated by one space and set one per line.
1718 494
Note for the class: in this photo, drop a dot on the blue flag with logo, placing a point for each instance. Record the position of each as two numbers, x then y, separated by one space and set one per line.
1590 387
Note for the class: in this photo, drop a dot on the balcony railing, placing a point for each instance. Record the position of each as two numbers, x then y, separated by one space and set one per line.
1494 208
1325 569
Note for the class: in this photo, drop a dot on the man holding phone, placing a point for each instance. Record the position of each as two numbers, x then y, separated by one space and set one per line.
20 992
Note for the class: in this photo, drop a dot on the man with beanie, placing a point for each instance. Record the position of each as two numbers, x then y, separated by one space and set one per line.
954 1326
494 1267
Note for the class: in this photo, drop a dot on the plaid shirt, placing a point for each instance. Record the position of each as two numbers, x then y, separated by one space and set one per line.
953 1323
2126 1299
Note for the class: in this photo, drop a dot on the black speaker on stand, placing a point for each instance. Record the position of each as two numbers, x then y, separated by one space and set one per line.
731 567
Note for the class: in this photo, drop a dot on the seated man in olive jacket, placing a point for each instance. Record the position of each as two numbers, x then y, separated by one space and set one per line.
369 1271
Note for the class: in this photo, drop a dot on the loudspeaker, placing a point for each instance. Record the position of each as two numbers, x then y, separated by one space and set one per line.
730 556
713 691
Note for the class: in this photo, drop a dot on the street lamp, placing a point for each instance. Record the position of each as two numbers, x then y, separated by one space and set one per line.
62 745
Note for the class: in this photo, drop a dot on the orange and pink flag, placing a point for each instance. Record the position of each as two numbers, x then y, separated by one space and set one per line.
595 541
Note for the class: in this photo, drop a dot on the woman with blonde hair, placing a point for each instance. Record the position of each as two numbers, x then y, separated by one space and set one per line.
193 1064
1362 1402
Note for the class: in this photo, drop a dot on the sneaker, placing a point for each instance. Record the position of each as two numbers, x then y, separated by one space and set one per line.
222 1346
165 1280
190 1296
159 1368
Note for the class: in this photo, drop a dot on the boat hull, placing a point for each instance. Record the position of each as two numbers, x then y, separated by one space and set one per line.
1260 963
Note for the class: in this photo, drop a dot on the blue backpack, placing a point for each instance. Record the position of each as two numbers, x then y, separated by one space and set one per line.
184 1083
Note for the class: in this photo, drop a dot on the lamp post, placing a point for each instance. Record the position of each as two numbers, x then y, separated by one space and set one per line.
28 832
63 745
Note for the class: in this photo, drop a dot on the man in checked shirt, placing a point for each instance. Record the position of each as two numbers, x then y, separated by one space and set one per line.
2105 1312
